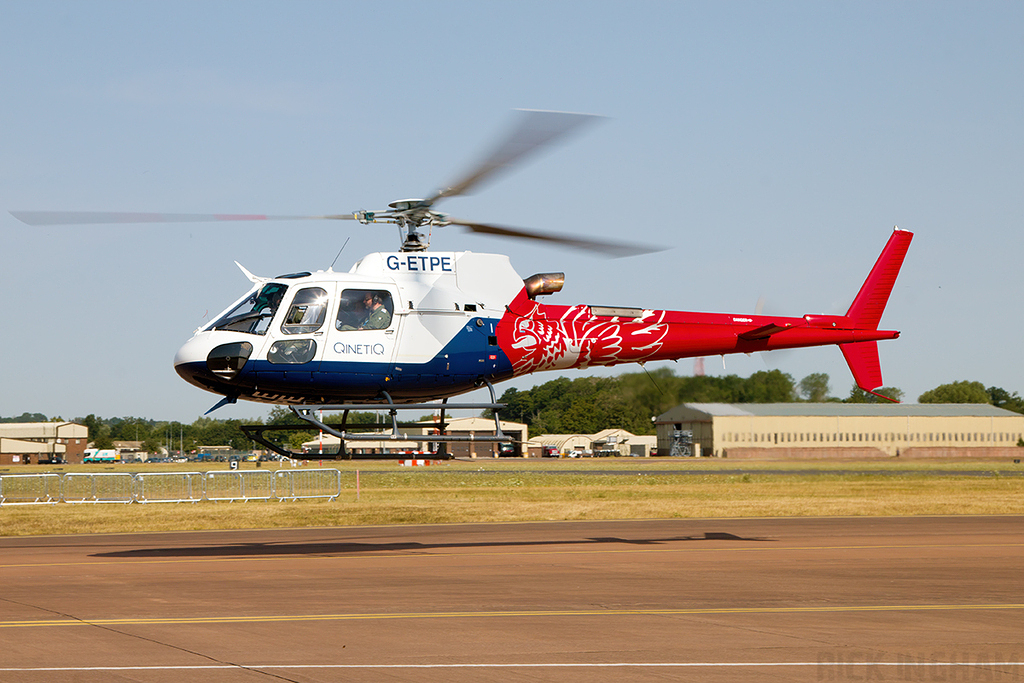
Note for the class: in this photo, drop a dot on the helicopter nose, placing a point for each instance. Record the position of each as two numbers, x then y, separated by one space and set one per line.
190 362
207 365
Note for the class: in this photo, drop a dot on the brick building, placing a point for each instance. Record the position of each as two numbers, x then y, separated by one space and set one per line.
34 442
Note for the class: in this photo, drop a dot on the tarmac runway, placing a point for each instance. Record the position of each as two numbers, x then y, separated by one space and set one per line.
822 599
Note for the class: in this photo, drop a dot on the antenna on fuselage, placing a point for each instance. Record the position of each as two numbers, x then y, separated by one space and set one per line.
339 253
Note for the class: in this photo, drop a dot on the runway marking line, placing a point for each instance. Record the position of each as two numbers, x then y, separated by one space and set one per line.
412 552
553 665
164 621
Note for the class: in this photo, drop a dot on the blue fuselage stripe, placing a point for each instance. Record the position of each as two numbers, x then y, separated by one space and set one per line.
470 356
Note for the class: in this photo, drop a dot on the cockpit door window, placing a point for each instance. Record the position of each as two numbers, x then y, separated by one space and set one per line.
365 309
307 312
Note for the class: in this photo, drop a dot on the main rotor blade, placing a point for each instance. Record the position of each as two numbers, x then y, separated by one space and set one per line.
610 249
100 217
535 129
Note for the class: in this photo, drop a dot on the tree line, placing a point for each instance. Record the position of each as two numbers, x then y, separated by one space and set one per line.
629 401
584 405
155 435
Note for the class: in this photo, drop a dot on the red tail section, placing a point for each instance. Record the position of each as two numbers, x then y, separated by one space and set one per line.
862 357
866 311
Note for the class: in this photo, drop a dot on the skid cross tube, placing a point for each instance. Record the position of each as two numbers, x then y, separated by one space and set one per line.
308 413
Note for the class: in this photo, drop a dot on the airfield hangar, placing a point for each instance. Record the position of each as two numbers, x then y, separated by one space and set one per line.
837 430
26 443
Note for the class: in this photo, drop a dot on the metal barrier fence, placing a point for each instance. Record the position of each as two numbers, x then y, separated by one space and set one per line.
29 489
295 484
168 487
238 485
88 487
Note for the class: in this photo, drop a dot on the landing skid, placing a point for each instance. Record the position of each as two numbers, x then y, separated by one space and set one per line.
343 431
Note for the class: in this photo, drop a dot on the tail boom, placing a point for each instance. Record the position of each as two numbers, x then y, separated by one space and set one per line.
539 337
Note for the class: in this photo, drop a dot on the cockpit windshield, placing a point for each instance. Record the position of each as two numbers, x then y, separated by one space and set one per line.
254 313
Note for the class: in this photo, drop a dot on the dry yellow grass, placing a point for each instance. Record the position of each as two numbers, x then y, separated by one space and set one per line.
522 491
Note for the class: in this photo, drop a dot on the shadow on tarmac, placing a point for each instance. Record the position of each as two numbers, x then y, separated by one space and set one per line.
343 548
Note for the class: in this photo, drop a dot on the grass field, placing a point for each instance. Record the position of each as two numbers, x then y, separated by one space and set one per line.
523 490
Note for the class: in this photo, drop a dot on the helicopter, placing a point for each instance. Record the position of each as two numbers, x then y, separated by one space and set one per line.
412 329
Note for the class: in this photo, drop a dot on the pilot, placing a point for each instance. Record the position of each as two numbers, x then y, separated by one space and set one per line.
376 316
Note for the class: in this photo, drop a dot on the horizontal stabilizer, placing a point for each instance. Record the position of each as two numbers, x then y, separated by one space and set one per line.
763 332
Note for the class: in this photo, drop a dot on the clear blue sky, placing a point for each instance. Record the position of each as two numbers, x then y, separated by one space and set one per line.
772 145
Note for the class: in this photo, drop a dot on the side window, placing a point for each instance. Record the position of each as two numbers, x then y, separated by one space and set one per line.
365 309
307 312
292 351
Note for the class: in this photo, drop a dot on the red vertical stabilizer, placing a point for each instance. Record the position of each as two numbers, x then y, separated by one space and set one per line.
866 310
862 357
